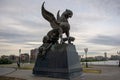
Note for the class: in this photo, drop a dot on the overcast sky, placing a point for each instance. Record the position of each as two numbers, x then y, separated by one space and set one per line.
95 25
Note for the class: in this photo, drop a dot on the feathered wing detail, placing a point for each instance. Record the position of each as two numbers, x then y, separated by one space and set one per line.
58 16
49 17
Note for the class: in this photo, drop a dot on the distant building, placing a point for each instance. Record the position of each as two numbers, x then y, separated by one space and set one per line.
33 54
90 58
99 58
105 56
114 57
5 56
24 57
13 58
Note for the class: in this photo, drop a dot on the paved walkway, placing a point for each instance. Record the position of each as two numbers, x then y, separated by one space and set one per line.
6 71
27 74
108 73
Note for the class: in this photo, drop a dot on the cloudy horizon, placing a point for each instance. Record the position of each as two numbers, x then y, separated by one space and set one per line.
95 25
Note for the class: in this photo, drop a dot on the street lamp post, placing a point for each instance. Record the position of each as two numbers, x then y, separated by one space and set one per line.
19 58
81 59
86 50
118 52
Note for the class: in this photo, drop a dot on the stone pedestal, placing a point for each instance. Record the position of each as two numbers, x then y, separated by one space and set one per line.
61 61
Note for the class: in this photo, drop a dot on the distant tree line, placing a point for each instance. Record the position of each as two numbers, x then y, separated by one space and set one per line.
91 60
5 61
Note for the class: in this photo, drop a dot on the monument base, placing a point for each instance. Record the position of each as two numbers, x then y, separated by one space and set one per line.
61 61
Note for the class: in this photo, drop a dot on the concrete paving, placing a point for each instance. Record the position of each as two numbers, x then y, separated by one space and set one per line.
27 74
108 73
6 71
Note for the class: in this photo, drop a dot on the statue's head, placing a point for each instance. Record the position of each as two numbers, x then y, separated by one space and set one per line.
68 13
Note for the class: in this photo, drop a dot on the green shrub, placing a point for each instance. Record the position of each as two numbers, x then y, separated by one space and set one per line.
5 61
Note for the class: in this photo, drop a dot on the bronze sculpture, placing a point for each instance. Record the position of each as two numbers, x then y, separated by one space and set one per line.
60 23
58 60
48 40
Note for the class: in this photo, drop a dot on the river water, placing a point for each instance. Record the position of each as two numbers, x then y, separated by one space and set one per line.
109 62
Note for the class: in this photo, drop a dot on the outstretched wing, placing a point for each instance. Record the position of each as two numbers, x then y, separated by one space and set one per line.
49 17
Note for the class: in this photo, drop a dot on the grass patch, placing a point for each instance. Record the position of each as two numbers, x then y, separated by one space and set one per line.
92 71
8 65
9 78
26 68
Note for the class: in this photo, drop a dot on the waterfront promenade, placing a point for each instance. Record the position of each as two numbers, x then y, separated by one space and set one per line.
108 73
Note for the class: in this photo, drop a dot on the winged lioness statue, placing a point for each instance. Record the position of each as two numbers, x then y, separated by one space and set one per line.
61 22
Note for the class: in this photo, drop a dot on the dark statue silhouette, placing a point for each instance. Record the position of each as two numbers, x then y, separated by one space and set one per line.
61 22
57 56
59 25
48 40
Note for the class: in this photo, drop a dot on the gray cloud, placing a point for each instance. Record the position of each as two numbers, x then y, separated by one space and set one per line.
21 21
14 37
106 6
110 6
106 40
